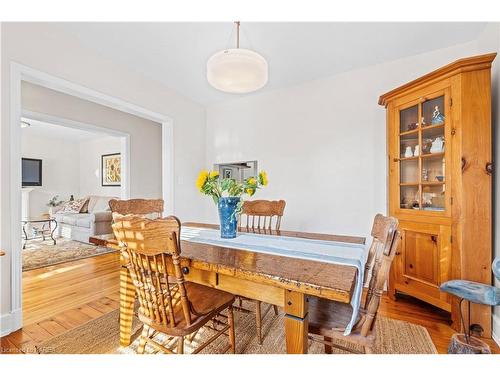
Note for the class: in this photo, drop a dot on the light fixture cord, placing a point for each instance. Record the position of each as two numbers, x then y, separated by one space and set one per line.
237 34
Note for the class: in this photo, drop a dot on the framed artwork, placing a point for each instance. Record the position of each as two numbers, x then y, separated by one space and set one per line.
227 173
111 170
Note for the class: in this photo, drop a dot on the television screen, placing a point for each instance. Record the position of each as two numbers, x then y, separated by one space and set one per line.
32 172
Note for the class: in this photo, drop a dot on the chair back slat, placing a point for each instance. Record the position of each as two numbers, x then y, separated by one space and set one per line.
153 208
385 240
260 213
151 249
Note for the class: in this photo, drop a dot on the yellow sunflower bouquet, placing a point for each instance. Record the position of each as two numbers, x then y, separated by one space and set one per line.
210 183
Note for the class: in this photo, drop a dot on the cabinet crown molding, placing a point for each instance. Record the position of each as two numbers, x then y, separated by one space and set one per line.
459 66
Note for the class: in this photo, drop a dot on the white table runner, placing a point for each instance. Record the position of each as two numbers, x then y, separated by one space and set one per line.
316 250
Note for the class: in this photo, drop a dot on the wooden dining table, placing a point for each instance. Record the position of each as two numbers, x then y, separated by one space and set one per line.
277 280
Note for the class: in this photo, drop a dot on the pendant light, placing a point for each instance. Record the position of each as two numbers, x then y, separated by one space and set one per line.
237 70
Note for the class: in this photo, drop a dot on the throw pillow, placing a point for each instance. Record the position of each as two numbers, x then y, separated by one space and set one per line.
85 207
73 207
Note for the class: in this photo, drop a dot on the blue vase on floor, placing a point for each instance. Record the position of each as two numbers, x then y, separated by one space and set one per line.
228 217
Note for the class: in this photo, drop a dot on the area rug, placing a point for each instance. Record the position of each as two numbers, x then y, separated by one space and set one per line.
40 253
101 335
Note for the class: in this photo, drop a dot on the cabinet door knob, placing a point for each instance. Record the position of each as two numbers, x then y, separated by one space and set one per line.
411 266
489 168
398 253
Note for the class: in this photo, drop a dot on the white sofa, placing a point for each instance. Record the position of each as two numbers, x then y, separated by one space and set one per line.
95 220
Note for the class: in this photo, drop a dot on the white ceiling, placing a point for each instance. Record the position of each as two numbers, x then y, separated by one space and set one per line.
175 54
63 133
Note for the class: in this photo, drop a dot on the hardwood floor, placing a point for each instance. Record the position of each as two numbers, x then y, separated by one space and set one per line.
65 296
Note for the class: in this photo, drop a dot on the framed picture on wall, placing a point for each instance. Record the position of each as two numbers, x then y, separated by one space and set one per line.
111 170
227 173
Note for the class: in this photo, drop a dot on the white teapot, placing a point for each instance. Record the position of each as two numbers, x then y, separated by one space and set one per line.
437 145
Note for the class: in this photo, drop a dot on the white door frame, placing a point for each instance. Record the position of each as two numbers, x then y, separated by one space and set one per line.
19 73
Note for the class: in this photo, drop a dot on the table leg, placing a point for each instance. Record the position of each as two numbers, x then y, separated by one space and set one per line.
127 298
296 322
53 230
25 235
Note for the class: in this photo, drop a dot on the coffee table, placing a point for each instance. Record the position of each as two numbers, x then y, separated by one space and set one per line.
49 226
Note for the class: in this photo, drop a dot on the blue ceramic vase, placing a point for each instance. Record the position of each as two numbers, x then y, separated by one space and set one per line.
228 217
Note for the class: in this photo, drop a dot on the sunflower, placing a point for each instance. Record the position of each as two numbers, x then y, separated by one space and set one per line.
252 181
250 191
202 179
263 178
214 174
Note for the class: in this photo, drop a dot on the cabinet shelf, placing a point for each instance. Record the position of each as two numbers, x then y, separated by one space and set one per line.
408 132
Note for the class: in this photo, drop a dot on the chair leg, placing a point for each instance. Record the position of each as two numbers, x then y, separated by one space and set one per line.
230 318
275 309
328 348
142 341
240 302
180 345
258 320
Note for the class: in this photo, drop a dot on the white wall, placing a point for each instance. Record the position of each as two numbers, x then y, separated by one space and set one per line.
145 136
323 143
90 153
60 169
42 47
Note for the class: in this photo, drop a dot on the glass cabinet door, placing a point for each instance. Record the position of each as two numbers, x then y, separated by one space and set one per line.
422 155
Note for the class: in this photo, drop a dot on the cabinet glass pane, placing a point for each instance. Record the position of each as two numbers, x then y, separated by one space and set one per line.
433 197
409 171
408 119
433 168
433 112
407 144
433 140
410 197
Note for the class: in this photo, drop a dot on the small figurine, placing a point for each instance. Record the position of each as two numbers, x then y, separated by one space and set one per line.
408 152
417 150
412 126
437 117
422 121
437 145
425 175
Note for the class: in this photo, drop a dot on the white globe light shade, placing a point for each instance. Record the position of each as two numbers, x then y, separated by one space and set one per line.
237 70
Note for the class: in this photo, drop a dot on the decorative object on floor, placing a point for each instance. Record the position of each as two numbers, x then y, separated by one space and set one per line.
330 318
101 335
48 228
474 292
38 254
437 116
227 193
111 170
169 304
237 70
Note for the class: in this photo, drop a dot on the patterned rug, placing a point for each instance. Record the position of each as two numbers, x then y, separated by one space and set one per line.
40 253
101 335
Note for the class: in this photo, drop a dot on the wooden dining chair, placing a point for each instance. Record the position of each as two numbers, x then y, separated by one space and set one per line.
260 215
168 303
150 208
329 318
264 217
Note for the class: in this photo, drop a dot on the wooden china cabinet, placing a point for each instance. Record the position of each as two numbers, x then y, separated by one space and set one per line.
440 184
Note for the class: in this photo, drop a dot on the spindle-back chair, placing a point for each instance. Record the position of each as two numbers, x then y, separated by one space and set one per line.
264 217
168 303
329 318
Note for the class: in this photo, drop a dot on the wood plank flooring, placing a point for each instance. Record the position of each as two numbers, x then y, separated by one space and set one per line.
65 296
